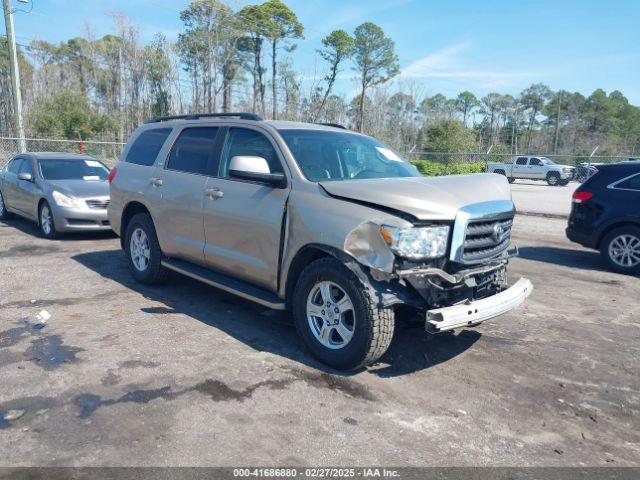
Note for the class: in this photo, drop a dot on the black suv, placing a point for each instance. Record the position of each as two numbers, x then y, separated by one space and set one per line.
606 215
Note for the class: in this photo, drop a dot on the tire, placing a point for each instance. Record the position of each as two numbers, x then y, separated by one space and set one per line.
500 172
4 213
46 222
511 179
145 256
613 242
553 179
371 328
563 183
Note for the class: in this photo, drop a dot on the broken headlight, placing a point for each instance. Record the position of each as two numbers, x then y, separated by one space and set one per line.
417 243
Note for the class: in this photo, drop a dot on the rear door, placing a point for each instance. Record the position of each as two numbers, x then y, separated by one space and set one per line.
520 167
243 220
192 159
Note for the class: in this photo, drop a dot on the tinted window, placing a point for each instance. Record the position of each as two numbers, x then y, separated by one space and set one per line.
26 167
245 142
535 162
146 147
14 167
521 161
194 150
73 169
632 183
328 155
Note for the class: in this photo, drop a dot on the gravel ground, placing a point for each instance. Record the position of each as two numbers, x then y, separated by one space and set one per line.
182 374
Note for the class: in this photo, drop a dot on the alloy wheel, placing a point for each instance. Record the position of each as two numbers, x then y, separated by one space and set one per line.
624 251
140 250
331 315
46 220
1 205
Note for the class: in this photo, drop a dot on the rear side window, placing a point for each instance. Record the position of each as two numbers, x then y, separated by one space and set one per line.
521 161
14 166
632 183
194 151
146 147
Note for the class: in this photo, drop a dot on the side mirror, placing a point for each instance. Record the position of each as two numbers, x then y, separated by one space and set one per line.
27 177
255 169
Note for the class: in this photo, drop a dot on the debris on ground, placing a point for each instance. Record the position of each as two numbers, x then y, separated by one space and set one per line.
13 414
42 317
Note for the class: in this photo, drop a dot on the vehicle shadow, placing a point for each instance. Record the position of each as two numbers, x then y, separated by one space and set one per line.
31 228
268 330
582 259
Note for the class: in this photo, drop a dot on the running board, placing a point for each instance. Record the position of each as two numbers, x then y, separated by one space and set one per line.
226 283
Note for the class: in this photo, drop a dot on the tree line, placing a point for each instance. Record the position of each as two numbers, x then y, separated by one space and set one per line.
229 59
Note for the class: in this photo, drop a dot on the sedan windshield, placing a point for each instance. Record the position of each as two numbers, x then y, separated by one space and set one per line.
73 169
329 156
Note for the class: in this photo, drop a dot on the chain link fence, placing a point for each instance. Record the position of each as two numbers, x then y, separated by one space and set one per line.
429 163
107 151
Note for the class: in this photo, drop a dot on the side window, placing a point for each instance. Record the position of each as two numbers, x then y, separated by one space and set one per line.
26 167
632 183
535 162
15 165
245 142
146 147
521 161
194 151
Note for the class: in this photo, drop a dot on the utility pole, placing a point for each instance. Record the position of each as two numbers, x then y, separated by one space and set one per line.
15 75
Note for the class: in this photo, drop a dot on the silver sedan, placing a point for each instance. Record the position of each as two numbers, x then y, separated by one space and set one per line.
62 192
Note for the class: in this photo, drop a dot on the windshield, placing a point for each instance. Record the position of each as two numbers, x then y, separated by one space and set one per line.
330 156
547 161
73 169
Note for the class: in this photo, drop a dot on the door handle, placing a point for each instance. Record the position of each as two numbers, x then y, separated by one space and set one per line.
156 182
214 193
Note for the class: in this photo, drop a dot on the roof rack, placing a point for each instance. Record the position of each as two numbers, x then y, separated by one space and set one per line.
334 125
196 116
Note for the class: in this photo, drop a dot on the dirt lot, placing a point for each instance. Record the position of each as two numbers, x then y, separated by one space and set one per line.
185 375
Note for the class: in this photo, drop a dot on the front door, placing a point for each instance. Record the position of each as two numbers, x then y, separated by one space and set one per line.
25 198
182 183
243 220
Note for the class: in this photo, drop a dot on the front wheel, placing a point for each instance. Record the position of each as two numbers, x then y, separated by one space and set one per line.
564 183
553 179
337 318
143 251
620 250
46 221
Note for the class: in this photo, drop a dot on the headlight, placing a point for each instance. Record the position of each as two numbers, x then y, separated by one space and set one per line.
64 200
417 243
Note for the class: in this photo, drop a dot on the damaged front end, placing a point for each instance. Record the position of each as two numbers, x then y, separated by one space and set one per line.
472 270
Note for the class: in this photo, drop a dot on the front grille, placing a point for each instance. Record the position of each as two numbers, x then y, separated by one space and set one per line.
485 239
98 204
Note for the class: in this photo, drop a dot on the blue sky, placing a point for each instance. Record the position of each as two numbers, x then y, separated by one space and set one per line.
443 46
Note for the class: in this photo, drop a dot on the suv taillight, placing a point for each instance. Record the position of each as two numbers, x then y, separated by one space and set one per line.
112 174
581 197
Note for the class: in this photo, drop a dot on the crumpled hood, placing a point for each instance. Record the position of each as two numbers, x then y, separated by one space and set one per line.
81 188
434 198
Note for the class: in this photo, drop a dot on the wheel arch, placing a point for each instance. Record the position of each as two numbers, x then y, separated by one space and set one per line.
614 226
132 208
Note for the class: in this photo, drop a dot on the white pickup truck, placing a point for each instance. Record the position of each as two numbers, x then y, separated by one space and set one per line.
534 168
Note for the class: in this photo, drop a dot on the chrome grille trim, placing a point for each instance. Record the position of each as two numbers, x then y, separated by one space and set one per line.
470 242
98 204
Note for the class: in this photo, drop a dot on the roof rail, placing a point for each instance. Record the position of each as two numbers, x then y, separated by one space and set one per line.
196 116
334 125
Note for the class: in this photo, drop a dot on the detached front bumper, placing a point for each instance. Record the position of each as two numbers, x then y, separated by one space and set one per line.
473 313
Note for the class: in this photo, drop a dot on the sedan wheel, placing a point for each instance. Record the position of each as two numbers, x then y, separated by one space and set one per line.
3 210
624 251
47 222
140 250
330 315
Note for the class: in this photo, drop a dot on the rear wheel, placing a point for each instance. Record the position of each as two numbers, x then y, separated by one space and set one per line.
620 249
4 213
553 179
337 318
46 222
511 179
143 251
